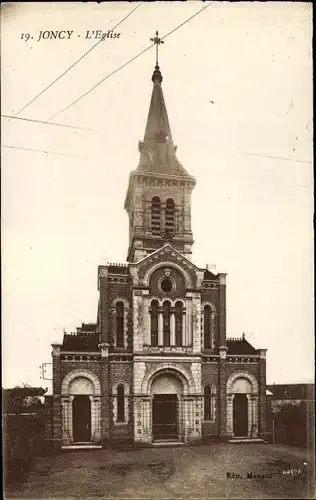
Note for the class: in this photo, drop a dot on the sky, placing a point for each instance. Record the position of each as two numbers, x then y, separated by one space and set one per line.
237 81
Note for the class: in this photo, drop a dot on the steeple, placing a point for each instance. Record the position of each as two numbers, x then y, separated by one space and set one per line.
158 199
157 150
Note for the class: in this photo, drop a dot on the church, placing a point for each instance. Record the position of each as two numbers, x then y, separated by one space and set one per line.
157 366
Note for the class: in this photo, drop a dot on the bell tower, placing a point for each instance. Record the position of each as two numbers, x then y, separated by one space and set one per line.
158 199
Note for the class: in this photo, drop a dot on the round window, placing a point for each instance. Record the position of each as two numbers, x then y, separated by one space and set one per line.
166 285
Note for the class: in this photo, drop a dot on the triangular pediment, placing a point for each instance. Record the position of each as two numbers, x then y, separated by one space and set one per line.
171 253
166 255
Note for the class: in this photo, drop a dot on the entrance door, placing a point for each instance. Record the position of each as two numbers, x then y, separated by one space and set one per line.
165 416
240 412
81 419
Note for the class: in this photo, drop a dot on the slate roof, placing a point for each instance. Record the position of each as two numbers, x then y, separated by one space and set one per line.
283 392
208 275
80 342
157 150
240 346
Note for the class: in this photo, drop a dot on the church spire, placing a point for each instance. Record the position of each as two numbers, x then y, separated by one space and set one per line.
157 150
158 199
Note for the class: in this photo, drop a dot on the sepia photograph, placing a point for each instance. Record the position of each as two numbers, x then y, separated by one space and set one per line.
157 250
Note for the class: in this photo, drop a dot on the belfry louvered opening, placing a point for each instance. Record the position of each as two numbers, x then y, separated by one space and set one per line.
170 216
156 216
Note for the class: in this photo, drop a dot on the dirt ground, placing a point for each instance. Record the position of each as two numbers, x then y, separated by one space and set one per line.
181 472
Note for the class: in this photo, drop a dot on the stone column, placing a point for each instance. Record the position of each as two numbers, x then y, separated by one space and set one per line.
70 416
65 432
147 428
250 414
97 434
222 393
229 414
160 328
172 329
146 319
254 401
183 328
189 321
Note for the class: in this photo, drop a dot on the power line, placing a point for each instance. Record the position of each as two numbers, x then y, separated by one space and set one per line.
267 156
125 64
11 117
74 64
41 151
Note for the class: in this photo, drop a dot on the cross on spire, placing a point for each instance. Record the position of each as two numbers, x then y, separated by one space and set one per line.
157 41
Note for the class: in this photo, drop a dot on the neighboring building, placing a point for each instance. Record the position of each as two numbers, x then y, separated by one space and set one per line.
290 394
290 414
157 364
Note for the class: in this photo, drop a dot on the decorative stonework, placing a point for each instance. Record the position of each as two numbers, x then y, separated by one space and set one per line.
252 403
150 271
176 369
80 373
252 379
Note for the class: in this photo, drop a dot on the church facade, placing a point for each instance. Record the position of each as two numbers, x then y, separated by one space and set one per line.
157 366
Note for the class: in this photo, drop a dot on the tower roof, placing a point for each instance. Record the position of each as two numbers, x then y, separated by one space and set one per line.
157 150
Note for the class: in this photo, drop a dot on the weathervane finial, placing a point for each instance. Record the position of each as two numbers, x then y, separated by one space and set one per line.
157 41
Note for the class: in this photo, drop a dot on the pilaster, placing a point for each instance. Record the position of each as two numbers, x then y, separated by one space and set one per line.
222 309
222 393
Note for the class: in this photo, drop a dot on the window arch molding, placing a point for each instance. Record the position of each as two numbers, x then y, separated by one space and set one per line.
115 396
209 399
161 300
125 320
185 274
78 374
252 379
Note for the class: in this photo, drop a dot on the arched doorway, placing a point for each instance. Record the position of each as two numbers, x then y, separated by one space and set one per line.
242 405
81 389
240 388
81 405
166 390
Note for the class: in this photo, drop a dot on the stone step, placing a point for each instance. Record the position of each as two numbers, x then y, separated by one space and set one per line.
167 443
81 446
246 440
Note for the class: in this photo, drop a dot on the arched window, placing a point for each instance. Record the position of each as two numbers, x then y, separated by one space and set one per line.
156 216
170 216
166 323
120 324
178 314
207 327
121 403
208 410
154 322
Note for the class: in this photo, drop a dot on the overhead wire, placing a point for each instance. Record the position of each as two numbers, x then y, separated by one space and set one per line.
74 64
11 117
41 151
126 64
267 156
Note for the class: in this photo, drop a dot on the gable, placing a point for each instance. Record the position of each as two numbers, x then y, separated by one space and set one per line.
166 256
